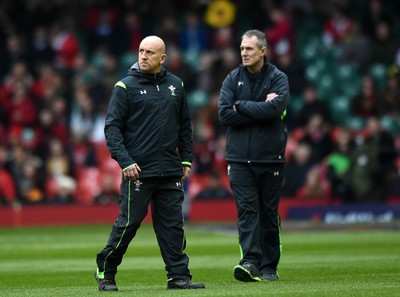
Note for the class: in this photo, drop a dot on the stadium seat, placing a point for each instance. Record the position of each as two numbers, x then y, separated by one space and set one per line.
88 185
379 72
326 87
197 182
197 99
312 49
356 123
126 60
340 107
296 103
391 125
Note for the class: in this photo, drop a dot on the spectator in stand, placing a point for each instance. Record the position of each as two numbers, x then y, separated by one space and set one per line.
60 112
8 194
317 136
178 65
280 34
130 32
169 29
355 49
57 161
373 164
41 50
215 189
21 110
364 104
312 105
315 187
219 161
48 84
226 59
193 36
85 120
109 74
337 27
383 39
109 192
223 38
65 189
296 170
374 14
204 77
19 73
104 32
15 52
65 44
30 185
338 165
294 68
389 101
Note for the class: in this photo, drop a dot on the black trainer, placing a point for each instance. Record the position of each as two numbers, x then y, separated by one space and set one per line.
246 272
183 283
106 284
270 277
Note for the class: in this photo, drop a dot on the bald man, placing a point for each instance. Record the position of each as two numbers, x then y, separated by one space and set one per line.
148 132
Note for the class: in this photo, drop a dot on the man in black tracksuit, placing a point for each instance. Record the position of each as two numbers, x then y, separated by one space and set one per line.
252 104
148 132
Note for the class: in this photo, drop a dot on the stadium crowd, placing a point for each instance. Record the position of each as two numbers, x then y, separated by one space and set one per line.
59 61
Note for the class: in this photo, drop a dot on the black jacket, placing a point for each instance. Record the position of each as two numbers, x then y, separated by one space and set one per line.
257 130
148 123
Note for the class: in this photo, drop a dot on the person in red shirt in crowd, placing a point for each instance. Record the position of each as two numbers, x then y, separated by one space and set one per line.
338 27
280 35
365 102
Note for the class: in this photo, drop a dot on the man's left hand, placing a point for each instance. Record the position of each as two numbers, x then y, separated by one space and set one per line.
270 97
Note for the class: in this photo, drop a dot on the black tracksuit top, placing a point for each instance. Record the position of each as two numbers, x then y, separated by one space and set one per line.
257 131
148 123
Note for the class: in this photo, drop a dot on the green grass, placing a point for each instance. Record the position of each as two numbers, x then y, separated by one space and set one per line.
59 261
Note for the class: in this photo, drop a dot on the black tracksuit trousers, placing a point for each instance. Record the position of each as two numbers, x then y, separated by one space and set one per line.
256 189
166 197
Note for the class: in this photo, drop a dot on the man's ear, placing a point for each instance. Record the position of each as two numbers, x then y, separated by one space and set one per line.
163 58
264 51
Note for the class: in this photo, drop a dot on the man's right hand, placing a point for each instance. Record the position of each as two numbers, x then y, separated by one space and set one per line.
132 172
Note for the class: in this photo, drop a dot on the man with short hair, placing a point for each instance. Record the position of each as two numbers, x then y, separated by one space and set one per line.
148 132
252 104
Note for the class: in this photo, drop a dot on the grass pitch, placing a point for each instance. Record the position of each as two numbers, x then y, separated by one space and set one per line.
60 261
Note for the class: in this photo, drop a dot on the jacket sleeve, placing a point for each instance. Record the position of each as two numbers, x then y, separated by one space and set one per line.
185 137
227 115
115 124
270 110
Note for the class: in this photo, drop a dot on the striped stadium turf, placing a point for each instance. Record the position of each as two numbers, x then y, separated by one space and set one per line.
59 261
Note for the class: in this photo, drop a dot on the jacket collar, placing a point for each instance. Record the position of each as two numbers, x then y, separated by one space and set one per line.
153 77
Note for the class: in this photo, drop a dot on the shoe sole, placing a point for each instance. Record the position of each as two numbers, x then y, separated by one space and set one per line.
188 288
244 275
269 279
99 287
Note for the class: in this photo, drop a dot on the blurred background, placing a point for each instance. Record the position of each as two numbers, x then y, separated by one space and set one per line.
59 61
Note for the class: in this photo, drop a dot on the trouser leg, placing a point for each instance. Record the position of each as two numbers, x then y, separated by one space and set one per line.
133 202
244 188
270 180
168 225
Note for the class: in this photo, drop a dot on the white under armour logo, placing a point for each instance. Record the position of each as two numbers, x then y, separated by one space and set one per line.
143 92
240 83
178 184
276 173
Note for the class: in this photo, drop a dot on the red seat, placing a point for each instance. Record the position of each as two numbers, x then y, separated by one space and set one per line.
88 184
